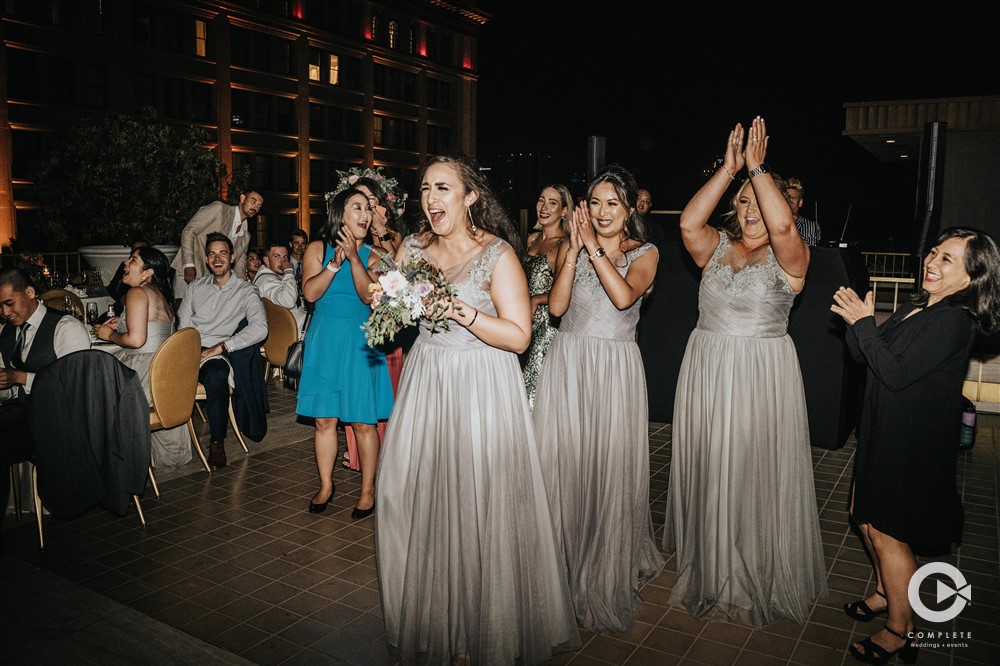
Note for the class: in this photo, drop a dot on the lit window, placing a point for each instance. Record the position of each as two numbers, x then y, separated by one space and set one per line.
200 38
374 28
334 69
393 34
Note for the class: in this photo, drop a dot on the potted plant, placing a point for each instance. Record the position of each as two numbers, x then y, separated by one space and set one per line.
123 178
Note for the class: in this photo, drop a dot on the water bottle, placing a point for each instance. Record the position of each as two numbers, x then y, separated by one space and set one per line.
968 434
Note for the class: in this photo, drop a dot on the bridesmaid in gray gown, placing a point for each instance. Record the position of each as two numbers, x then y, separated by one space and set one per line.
554 209
147 321
741 507
591 414
468 565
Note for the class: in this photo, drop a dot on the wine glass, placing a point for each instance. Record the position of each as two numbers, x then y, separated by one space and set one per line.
91 313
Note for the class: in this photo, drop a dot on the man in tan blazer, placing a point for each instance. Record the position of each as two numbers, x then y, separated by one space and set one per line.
218 216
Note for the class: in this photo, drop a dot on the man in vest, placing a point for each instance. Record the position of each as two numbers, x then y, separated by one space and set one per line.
31 337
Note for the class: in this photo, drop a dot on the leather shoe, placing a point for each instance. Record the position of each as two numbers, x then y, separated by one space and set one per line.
358 514
217 454
321 507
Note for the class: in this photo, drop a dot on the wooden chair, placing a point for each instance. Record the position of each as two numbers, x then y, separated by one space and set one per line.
281 332
173 383
54 299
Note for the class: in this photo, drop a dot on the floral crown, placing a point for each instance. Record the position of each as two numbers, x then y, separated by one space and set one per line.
394 193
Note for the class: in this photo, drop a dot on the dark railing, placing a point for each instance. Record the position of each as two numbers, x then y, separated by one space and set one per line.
67 263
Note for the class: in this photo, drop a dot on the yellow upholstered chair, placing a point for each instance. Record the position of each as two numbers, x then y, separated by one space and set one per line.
173 384
281 332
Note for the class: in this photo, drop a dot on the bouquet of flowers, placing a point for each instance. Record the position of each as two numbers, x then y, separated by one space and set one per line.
32 261
399 296
394 193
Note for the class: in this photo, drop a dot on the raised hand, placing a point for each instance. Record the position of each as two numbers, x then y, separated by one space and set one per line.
850 307
585 227
580 218
347 244
733 161
756 147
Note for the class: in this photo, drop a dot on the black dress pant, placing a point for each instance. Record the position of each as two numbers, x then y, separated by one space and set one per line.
214 375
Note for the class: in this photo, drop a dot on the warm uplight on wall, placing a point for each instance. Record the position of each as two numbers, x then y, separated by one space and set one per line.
890 141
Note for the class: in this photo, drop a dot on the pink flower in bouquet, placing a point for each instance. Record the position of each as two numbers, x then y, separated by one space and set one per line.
377 298
423 288
393 282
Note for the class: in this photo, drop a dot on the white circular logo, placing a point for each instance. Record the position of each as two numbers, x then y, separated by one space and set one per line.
961 590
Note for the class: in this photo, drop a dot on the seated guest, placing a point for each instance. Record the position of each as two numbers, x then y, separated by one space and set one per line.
276 282
297 249
116 288
253 264
31 337
230 316
147 321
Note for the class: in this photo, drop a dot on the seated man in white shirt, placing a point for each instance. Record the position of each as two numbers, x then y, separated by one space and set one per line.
276 282
216 304
31 337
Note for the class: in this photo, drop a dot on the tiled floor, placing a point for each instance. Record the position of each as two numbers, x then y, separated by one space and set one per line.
232 567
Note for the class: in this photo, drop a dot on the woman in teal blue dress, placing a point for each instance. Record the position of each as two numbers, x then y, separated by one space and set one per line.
343 379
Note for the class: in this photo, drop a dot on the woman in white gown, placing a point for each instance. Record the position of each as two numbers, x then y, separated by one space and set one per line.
467 560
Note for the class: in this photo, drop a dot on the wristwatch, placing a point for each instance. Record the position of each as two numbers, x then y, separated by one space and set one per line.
763 168
598 253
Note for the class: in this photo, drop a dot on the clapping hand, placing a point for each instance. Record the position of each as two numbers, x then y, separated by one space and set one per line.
849 305
582 230
756 144
347 245
733 161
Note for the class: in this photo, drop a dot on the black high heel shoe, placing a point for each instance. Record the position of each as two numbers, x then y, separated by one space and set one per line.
862 612
876 654
321 507
358 514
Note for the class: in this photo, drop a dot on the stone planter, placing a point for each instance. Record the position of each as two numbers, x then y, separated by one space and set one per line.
107 258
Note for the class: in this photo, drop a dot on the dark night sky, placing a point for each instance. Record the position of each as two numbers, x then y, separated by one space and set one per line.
664 83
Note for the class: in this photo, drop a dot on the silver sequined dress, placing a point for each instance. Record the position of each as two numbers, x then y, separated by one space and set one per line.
540 276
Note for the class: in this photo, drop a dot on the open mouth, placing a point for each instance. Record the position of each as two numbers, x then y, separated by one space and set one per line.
436 215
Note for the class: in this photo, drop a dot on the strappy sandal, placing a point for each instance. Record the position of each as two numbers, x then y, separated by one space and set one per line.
345 461
876 654
862 612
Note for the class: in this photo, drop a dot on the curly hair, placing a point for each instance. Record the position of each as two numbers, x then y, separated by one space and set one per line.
731 221
628 193
487 212
981 298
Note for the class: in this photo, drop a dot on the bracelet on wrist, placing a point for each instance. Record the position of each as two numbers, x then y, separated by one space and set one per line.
762 168
732 176
330 267
598 253
473 321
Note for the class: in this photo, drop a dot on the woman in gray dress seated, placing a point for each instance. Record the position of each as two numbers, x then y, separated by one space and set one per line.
147 321
741 507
